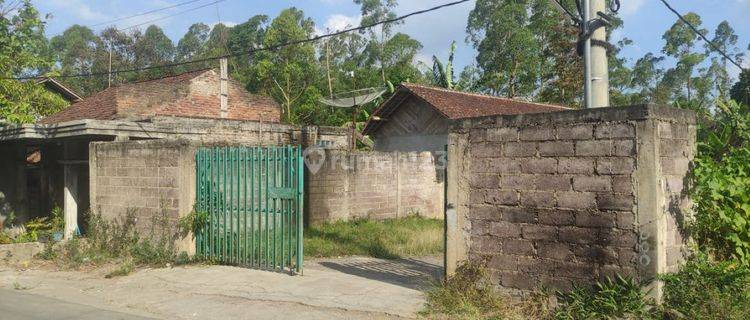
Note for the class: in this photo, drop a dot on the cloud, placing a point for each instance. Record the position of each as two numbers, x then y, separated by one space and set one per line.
339 22
79 10
630 7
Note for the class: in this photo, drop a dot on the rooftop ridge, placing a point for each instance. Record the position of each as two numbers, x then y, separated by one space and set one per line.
479 95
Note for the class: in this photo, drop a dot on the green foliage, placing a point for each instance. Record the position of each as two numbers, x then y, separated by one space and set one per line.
23 51
193 222
704 289
466 295
721 184
388 239
618 298
37 229
120 242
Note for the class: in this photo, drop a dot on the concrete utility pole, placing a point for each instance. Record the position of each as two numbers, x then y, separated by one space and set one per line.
596 67
224 88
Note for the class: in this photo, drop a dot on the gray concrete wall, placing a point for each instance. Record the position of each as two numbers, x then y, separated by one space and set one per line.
570 197
151 179
377 185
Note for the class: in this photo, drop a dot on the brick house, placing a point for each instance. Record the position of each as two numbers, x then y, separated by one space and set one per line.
418 118
46 164
191 95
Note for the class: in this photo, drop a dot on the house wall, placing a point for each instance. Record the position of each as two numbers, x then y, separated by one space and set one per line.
570 197
377 185
414 126
150 179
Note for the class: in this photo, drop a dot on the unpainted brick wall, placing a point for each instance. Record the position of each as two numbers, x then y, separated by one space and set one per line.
551 199
377 185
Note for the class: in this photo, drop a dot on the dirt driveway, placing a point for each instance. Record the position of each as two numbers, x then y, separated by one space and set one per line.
349 288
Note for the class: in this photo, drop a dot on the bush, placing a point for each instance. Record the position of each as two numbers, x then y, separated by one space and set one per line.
618 298
467 296
119 242
721 184
704 289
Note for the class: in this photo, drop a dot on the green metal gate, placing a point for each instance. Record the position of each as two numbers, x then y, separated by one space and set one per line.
252 199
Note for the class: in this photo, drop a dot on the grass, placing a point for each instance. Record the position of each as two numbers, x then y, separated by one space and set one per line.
387 239
467 296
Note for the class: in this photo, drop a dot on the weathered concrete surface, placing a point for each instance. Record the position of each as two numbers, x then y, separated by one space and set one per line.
19 253
375 185
351 288
568 198
17 305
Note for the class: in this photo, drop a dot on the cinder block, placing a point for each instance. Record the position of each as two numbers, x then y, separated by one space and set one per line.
575 132
536 134
592 183
616 130
556 149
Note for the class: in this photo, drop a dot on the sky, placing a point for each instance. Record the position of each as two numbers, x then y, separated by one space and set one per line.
644 20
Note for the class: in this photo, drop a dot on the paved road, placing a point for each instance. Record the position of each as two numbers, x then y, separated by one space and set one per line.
17 305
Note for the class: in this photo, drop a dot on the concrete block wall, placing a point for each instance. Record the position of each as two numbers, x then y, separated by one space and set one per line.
376 185
570 197
151 179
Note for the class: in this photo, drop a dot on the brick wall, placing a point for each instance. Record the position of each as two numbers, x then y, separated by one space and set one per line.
148 178
571 197
377 185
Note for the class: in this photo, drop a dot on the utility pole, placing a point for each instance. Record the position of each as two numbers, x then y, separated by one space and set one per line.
596 66
109 73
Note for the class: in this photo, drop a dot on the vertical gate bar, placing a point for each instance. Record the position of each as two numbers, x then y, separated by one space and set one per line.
224 204
240 227
252 206
244 205
230 243
237 205
261 188
215 201
199 198
300 206
290 208
282 171
281 209
275 201
265 207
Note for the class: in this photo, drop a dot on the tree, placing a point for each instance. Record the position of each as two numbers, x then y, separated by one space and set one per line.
680 42
193 42
645 79
289 73
243 37
24 51
76 50
153 48
726 39
741 90
120 45
374 11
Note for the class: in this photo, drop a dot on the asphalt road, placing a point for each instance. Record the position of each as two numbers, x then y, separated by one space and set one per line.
17 305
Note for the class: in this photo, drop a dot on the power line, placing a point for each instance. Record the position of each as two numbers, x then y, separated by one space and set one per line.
144 13
171 15
700 34
251 51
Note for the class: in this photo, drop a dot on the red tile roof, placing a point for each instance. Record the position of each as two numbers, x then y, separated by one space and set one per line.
455 105
170 96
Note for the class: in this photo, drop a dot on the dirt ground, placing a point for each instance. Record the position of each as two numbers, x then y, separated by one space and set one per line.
345 288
